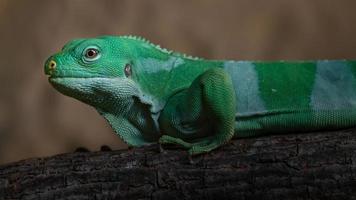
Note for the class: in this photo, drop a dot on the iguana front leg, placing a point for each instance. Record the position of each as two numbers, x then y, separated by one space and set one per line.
203 116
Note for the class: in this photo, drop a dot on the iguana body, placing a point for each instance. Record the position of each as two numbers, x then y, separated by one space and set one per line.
149 94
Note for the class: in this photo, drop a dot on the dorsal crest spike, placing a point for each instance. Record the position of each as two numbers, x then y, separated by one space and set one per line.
141 39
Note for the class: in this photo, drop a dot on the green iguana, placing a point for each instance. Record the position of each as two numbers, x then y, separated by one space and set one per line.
149 94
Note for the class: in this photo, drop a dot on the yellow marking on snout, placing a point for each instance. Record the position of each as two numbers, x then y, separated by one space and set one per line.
52 65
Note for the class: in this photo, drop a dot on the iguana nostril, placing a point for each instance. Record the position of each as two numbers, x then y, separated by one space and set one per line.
52 65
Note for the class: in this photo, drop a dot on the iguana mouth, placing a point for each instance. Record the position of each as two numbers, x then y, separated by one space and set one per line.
74 73
55 70
55 78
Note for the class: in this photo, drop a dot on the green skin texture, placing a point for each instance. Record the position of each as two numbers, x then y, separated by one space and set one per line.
201 104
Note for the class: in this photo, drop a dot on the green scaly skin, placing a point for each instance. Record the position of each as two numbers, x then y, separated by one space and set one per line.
149 94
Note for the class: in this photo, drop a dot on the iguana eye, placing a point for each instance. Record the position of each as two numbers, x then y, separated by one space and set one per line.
91 54
127 70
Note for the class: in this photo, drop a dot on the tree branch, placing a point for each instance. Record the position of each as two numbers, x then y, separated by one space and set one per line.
294 166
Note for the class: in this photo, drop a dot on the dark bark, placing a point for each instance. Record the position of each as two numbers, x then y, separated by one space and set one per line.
302 166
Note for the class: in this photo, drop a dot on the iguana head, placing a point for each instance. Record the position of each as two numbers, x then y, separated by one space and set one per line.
93 57
94 70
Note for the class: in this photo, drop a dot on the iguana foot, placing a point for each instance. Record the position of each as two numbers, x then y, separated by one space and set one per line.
199 149
166 139
195 148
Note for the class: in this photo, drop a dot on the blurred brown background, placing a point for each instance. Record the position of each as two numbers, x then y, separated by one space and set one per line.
36 120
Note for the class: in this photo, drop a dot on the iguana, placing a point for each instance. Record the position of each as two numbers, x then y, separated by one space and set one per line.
149 94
